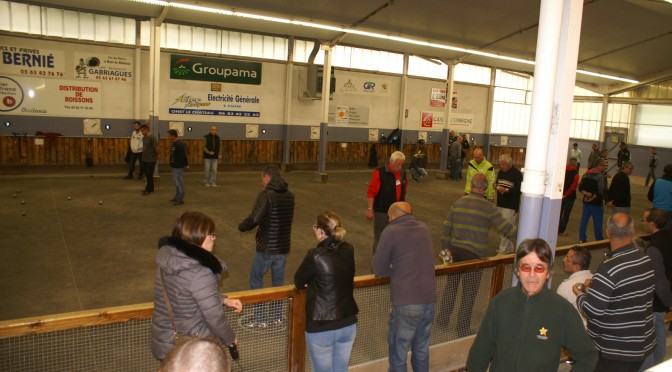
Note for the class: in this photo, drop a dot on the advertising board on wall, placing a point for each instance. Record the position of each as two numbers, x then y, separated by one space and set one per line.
105 67
33 62
229 104
359 85
216 70
430 119
38 96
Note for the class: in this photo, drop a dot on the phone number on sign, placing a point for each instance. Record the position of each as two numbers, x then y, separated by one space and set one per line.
42 73
78 107
111 78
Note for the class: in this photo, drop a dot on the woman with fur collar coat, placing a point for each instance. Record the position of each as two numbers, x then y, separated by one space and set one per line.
190 271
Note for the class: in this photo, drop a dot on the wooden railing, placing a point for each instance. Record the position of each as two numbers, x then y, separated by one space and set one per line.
12 331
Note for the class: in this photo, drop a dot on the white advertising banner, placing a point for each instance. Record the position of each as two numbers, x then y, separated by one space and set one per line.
359 85
104 67
32 62
431 119
37 96
214 104
463 121
437 98
349 115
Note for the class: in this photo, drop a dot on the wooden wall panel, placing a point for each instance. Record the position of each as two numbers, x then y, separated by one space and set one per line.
112 151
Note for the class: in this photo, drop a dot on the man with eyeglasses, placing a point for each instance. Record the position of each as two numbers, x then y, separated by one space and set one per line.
577 263
618 300
526 326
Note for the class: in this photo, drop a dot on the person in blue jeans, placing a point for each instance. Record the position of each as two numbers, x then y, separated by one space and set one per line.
405 254
593 187
178 164
272 215
327 273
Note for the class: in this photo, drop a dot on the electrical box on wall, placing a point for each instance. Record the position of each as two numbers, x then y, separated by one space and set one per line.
311 87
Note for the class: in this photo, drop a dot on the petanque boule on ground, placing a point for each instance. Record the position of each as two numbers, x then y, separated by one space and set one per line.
23 213
69 198
100 202
13 195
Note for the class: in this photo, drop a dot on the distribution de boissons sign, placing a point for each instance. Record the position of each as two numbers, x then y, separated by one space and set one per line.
217 70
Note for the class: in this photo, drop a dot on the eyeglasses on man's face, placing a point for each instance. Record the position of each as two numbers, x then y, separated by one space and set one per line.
539 269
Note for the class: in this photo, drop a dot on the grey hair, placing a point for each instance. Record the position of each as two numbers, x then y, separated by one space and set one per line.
506 158
479 181
621 231
396 156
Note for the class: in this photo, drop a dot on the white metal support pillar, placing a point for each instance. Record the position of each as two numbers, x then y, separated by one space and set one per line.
554 78
288 104
324 124
445 135
154 80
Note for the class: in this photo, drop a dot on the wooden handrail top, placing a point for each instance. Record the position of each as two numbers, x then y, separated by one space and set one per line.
95 317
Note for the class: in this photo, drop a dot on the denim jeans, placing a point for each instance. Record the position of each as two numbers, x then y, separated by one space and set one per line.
210 166
137 156
380 221
565 212
178 178
330 350
597 213
260 265
658 355
471 281
148 169
417 173
505 244
410 326
650 176
455 169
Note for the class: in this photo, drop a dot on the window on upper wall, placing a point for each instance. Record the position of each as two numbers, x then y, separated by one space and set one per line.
585 122
578 91
430 68
467 73
619 115
55 22
512 102
653 126
351 57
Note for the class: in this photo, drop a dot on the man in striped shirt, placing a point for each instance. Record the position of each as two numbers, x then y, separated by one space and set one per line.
618 301
465 237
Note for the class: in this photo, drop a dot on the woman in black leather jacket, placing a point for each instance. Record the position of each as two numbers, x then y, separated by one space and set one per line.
327 272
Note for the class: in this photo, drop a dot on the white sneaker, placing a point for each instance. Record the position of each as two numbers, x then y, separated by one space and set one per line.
206 184
214 185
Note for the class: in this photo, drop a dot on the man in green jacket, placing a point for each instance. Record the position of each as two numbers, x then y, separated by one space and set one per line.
525 327
479 165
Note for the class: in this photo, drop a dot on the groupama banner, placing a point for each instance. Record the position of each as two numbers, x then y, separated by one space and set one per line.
217 70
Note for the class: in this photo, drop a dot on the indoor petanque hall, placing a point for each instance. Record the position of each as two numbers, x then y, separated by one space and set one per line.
328 93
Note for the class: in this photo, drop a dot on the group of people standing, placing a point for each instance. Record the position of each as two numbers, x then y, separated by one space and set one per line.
144 149
187 276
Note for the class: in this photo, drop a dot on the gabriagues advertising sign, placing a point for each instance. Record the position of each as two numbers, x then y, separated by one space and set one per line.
218 70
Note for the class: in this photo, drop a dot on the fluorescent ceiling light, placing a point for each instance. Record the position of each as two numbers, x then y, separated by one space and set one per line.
584 72
366 33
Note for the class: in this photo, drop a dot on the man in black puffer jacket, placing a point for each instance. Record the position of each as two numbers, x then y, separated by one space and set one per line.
272 214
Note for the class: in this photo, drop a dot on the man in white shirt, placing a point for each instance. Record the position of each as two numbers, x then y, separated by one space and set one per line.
576 153
135 147
577 262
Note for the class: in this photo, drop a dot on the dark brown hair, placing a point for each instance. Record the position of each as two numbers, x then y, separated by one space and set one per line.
193 227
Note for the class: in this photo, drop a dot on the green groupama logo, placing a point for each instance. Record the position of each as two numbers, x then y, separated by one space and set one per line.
179 68
215 69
